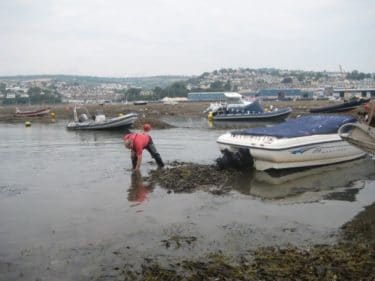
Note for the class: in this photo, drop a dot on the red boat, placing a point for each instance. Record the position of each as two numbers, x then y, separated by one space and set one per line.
32 113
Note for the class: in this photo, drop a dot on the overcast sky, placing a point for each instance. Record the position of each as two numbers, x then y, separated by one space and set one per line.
137 38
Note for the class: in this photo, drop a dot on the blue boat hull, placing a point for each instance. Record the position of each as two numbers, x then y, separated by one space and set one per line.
261 116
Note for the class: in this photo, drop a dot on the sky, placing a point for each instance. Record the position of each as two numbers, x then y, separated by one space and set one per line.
121 38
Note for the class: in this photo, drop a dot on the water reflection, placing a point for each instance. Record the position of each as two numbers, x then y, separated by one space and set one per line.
203 122
326 182
99 136
139 190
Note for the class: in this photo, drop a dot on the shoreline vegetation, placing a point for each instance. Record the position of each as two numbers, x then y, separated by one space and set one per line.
352 257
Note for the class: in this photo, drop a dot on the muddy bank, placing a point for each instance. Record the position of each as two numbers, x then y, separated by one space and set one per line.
189 177
351 258
338 262
150 113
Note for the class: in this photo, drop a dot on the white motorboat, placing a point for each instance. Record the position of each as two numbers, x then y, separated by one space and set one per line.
100 122
306 141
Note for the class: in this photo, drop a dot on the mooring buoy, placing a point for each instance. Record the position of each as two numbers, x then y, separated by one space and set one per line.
210 116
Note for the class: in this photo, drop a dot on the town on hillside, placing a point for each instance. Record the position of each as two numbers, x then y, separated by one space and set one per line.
266 83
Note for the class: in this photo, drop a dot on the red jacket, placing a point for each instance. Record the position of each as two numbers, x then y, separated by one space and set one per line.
140 141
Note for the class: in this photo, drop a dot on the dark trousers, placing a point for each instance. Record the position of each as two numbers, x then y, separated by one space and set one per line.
154 154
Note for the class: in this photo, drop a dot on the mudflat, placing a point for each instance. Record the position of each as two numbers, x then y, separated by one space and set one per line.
148 113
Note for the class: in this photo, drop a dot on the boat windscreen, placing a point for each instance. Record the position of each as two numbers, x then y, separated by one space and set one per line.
254 107
303 126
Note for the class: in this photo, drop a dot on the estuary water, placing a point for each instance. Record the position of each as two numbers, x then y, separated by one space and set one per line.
70 208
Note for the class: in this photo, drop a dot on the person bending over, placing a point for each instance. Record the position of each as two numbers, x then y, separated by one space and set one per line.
137 142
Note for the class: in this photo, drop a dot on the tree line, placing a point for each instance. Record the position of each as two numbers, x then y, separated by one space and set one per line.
176 89
35 95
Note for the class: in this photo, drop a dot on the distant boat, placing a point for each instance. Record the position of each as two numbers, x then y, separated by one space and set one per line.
237 109
140 102
32 113
342 107
100 122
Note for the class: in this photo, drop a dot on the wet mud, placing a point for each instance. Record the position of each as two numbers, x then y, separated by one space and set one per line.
351 258
189 177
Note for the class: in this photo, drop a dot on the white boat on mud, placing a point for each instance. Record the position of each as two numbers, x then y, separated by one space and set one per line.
306 141
84 121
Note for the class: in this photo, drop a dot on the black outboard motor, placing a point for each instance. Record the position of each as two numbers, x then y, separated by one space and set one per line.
239 160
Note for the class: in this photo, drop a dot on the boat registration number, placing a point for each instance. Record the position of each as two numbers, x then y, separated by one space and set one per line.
256 139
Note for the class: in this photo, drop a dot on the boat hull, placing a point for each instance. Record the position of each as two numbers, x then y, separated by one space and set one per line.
359 135
125 121
265 116
35 113
343 107
273 153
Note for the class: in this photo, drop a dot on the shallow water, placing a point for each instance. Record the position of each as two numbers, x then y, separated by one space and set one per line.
70 207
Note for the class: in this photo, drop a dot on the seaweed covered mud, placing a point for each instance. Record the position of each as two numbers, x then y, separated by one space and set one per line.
352 257
188 177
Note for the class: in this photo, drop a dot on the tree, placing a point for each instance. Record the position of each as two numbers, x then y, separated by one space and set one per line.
300 77
217 86
2 87
287 80
355 75
133 94
177 89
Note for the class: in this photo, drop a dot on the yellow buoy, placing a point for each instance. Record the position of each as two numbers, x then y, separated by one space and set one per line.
53 115
210 116
27 124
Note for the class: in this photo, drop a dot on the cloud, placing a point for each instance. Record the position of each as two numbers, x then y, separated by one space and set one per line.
171 37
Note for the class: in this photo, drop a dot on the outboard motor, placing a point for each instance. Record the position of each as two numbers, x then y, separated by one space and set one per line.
83 117
239 160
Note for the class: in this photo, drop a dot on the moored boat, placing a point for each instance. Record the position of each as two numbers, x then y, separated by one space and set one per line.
31 113
306 141
237 109
100 121
342 107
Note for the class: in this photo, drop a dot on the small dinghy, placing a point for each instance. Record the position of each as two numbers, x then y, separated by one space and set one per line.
85 122
32 113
